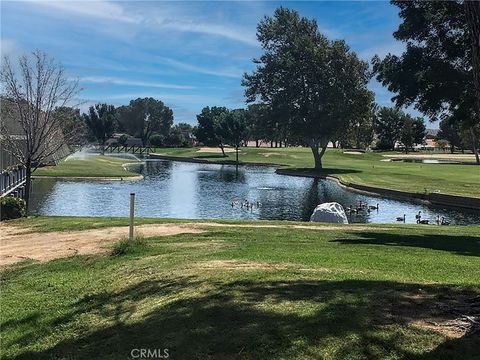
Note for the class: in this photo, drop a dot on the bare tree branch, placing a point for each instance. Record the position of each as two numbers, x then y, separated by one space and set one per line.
32 92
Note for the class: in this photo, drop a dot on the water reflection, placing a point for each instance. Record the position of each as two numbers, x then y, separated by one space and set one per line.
186 190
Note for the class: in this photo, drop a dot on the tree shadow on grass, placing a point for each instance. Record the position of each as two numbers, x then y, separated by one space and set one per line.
267 320
462 245
211 156
312 172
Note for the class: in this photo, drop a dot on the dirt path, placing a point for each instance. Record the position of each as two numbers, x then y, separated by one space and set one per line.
17 244
20 243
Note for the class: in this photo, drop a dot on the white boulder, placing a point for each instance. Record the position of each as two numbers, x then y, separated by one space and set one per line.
330 213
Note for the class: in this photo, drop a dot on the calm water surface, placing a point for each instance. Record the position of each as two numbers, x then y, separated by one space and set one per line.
187 190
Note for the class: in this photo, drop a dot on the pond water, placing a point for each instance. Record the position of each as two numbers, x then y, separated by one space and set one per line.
188 190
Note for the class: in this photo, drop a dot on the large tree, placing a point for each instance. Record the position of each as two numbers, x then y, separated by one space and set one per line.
388 126
435 73
232 128
144 117
314 83
359 132
257 117
472 11
207 129
101 121
449 130
412 133
31 92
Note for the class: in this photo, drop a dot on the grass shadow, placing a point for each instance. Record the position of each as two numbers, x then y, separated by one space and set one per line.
211 156
312 172
461 245
251 319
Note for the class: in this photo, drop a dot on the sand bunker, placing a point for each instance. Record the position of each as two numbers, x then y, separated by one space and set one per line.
213 150
458 157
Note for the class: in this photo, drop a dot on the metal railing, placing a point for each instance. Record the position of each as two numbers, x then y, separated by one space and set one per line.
12 181
134 149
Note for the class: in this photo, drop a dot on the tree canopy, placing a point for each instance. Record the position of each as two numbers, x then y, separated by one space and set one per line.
101 121
144 117
435 72
313 84
208 131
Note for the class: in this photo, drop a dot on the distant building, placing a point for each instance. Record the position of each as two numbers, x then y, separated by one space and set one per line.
116 140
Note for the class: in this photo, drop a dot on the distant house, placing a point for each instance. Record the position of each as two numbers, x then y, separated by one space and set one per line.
14 131
115 140
431 133
189 137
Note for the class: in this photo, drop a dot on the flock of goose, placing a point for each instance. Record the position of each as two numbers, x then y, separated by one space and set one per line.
246 204
363 207
360 208
439 220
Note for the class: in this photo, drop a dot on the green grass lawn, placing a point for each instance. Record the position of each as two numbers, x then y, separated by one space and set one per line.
91 166
365 169
358 292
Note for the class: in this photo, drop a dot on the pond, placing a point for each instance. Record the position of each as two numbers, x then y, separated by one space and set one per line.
189 190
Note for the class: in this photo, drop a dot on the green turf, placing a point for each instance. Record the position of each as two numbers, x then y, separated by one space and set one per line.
359 292
91 166
365 169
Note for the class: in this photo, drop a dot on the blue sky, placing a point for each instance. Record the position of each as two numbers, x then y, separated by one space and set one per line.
187 54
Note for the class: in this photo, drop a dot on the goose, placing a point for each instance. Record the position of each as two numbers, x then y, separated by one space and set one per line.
425 222
444 222
351 209
418 216
373 207
401 218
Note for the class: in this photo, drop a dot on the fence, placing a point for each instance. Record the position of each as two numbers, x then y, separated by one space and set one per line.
12 182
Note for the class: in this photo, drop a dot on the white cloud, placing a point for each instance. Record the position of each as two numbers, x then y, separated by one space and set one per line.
166 97
175 21
119 81
8 47
228 32
225 72
96 9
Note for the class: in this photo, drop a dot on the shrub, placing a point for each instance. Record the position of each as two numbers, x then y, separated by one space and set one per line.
12 208
126 246
122 140
157 140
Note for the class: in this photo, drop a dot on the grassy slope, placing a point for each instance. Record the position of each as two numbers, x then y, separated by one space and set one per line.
253 293
92 166
366 169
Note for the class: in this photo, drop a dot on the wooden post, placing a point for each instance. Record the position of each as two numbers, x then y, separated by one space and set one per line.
132 215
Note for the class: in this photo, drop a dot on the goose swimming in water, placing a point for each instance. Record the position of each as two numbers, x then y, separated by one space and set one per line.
402 218
373 207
